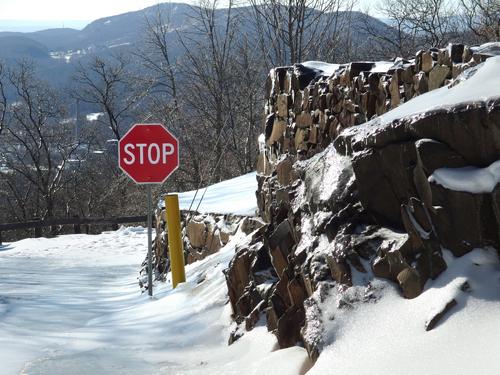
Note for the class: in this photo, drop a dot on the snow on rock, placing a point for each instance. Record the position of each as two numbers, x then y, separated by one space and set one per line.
388 336
491 49
468 179
234 196
71 304
315 69
328 70
321 68
382 66
322 175
481 86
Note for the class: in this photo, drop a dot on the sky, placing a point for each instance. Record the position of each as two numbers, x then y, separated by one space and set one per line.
61 10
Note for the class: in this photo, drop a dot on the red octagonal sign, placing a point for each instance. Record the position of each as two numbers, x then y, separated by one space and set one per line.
148 153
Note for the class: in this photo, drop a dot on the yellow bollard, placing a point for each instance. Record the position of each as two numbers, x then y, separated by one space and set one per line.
175 247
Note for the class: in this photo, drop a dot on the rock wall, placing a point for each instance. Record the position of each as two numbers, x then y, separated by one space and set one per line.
341 200
203 234
309 104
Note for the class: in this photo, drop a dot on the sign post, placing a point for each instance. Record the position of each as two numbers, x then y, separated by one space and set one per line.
150 245
148 154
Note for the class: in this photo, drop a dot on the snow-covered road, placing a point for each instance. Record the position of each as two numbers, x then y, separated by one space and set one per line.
53 291
72 305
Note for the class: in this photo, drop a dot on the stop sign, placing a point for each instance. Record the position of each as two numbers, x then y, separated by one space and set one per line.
148 153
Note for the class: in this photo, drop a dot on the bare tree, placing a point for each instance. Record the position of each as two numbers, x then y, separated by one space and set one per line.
157 58
290 31
208 51
209 98
436 20
338 45
400 38
248 95
38 146
16 197
416 25
482 17
3 97
110 85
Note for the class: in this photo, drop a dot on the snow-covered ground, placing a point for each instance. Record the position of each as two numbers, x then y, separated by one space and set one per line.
388 335
236 196
72 304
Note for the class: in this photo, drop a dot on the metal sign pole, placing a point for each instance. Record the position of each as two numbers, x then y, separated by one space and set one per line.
150 250
138 159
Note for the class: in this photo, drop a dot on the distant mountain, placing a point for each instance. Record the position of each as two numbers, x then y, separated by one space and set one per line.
130 27
109 32
27 26
56 39
15 46
56 51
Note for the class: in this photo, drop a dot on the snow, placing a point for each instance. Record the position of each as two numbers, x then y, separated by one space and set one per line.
262 143
234 196
5 169
468 179
481 86
492 49
66 55
292 360
382 66
119 45
325 68
72 304
388 335
323 174
328 70
94 116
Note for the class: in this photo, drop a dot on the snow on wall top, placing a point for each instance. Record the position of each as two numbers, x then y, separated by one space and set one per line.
492 49
482 85
322 69
235 196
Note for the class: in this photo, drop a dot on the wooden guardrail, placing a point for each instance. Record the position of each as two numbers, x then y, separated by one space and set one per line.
75 221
